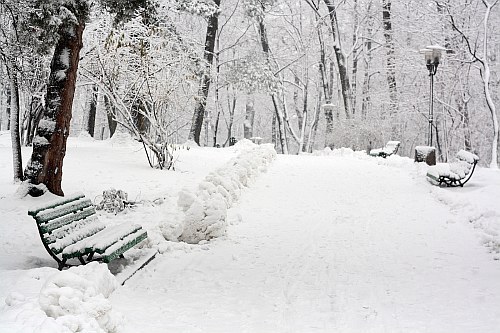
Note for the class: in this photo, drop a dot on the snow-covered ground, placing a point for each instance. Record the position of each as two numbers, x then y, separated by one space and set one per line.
332 242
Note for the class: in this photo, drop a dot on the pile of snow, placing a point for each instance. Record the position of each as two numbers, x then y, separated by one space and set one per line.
205 211
74 300
77 299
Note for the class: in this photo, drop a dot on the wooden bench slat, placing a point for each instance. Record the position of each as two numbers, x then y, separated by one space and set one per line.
77 235
55 203
101 241
67 219
67 208
123 245
69 228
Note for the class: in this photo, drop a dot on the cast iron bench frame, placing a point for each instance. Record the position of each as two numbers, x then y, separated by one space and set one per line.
390 148
455 181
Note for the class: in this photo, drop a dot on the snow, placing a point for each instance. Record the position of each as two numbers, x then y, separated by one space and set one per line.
335 241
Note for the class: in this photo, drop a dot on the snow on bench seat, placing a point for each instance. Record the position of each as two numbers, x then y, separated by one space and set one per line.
390 148
70 234
100 241
124 244
456 173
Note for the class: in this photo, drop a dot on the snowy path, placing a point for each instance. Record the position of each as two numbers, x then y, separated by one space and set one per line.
384 258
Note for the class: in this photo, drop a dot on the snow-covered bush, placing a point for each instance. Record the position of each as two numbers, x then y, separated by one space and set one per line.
205 211
77 299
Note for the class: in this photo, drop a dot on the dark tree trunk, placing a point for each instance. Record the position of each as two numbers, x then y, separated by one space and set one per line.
341 61
199 111
216 128
9 102
92 111
391 58
354 72
110 113
49 145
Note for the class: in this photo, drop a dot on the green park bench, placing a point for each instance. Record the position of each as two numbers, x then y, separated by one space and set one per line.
453 174
69 229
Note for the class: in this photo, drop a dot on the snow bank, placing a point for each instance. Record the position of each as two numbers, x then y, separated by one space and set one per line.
74 300
205 211
77 299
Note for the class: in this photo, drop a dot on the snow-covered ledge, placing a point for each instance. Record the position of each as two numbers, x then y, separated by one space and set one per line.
205 211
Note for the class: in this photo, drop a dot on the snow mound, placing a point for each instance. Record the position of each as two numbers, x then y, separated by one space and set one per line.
122 139
205 211
77 299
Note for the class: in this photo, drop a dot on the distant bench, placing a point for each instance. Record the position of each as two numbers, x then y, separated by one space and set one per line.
453 174
69 229
390 148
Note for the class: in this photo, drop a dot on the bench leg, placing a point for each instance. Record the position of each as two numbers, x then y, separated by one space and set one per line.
61 264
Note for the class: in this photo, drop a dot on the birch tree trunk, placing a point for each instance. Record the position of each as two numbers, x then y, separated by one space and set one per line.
200 108
49 145
486 74
17 161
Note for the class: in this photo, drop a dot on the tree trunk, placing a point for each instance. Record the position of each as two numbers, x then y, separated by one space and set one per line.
485 74
49 145
199 111
249 117
231 106
391 58
92 111
110 113
17 161
8 108
365 90
279 115
354 72
341 61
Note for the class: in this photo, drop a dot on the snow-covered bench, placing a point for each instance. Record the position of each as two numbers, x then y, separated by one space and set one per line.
453 174
390 148
69 228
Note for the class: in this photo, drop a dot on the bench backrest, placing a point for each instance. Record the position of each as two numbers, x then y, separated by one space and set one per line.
391 147
65 221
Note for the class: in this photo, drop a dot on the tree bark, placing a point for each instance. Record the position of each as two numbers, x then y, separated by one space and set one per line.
8 108
390 57
49 145
279 115
110 113
199 111
14 106
92 111
340 57
354 72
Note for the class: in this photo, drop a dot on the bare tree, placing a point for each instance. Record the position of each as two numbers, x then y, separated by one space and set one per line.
485 71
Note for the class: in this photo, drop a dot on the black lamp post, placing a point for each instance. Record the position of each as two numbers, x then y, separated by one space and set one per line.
432 58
